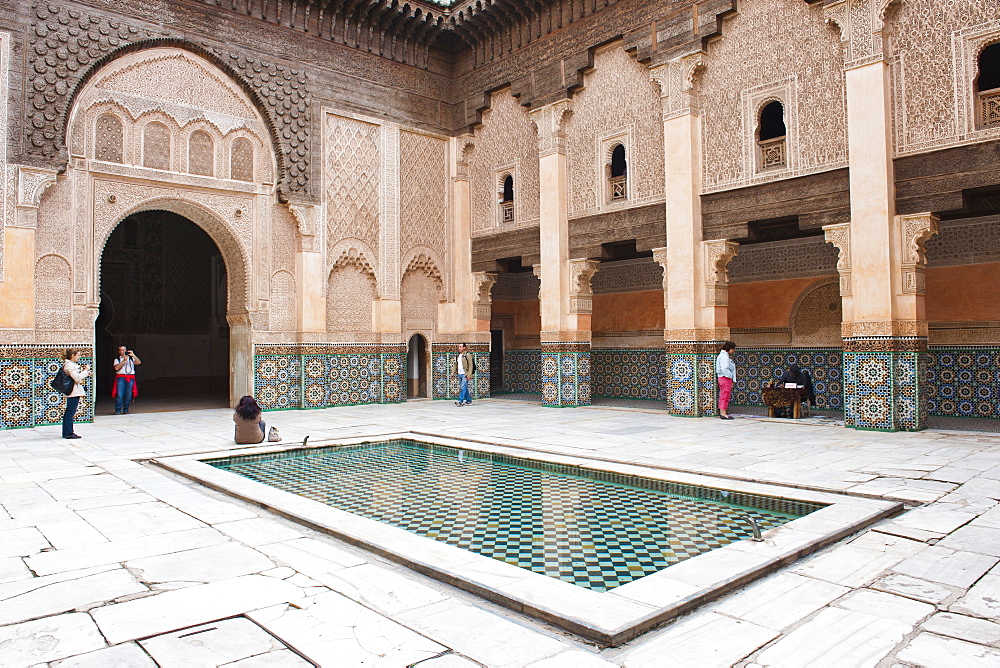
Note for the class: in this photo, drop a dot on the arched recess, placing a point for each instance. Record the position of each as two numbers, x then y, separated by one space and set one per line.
817 314
236 259
53 293
66 119
422 290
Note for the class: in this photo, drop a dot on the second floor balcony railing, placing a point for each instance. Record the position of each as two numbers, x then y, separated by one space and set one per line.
619 187
772 153
989 108
506 212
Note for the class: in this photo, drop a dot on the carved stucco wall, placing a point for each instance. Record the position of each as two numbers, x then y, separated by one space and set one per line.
772 48
421 292
932 74
775 260
7 183
506 141
352 169
816 315
423 185
618 104
349 295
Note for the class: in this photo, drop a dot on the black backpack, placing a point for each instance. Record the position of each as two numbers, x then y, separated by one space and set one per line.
63 382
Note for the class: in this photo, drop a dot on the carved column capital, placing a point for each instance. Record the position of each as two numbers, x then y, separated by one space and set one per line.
465 148
660 257
914 231
678 81
305 218
550 122
718 253
482 293
840 236
861 24
581 297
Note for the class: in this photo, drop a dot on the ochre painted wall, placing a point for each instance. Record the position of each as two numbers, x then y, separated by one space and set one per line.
967 293
17 291
527 317
765 303
628 311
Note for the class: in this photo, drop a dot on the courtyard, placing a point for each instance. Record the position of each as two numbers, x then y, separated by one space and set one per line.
107 559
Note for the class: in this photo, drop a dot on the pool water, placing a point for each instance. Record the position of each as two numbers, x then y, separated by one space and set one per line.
596 529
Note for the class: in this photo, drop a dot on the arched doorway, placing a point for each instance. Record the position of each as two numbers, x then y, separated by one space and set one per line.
163 294
416 367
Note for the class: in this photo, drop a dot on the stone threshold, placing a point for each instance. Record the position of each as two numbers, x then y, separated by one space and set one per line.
608 618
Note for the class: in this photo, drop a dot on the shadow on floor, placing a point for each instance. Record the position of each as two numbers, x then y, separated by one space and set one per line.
159 403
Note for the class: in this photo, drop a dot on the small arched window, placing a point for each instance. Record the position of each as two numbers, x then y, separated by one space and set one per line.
771 150
201 153
988 86
156 146
618 174
507 199
109 135
241 160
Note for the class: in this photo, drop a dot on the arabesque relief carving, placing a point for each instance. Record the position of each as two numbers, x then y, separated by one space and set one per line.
718 253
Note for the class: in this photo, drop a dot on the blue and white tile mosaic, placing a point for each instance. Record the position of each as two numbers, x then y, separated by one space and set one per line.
26 399
445 381
964 382
756 367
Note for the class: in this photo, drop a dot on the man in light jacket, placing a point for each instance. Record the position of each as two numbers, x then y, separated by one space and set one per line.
465 367
725 369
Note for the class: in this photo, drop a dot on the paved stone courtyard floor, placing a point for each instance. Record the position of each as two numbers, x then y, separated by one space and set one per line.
108 561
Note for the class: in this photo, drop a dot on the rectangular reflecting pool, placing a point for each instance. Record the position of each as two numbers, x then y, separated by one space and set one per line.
604 549
592 528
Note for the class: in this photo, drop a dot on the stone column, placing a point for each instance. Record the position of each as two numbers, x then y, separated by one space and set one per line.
310 283
241 363
565 333
695 281
885 328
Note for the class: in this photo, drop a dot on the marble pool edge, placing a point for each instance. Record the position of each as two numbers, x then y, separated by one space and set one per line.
609 618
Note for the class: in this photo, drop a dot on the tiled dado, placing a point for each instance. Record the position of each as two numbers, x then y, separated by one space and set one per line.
964 382
445 381
629 373
885 385
522 371
565 372
318 376
26 399
691 386
756 367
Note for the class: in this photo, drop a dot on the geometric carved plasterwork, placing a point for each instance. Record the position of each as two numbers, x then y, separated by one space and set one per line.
581 297
762 57
6 182
790 258
933 77
517 286
349 295
351 171
966 241
483 283
817 314
638 275
617 104
423 181
506 137
63 45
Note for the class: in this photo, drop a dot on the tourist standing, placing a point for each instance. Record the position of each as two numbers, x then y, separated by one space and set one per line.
465 367
72 368
725 369
125 387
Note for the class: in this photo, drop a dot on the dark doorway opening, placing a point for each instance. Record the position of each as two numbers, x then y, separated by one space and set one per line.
416 367
163 295
496 360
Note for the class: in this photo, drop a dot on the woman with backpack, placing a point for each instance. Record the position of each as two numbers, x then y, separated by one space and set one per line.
72 368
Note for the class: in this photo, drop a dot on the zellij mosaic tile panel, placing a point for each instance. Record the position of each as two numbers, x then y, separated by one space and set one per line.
594 529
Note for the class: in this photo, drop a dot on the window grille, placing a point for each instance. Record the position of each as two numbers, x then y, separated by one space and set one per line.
989 108
772 153
619 187
506 212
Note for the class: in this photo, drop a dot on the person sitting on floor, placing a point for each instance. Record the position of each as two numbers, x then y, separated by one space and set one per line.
249 427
